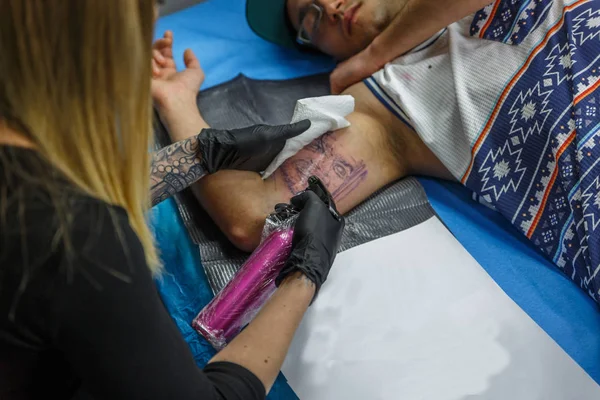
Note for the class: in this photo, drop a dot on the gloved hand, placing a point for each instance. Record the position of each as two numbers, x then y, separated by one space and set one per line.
317 236
250 149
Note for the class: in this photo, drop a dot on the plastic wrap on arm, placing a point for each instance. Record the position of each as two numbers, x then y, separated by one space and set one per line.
250 288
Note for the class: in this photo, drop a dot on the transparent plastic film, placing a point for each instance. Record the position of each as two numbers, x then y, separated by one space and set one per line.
253 284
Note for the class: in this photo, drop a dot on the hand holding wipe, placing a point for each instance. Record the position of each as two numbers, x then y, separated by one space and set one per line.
250 149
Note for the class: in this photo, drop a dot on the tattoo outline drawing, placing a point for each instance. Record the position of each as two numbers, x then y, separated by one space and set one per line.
340 174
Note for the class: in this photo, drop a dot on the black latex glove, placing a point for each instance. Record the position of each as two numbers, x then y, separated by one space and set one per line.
250 149
317 236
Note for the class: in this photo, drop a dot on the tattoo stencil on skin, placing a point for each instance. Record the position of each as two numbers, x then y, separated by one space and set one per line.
340 174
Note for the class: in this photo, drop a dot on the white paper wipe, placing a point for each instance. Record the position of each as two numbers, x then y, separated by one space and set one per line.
424 323
326 113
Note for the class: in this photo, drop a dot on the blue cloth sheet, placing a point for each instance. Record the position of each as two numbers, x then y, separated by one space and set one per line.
219 35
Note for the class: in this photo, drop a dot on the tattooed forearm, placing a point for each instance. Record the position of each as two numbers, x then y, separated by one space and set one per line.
174 168
340 174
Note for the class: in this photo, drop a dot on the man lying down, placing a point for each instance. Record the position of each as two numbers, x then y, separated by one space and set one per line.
504 101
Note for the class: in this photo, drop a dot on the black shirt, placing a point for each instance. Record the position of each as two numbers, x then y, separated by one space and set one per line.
80 315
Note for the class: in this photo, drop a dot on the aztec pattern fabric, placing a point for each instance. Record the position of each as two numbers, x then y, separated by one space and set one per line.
508 99
509 21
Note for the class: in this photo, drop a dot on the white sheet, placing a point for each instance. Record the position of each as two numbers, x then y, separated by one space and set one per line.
413 316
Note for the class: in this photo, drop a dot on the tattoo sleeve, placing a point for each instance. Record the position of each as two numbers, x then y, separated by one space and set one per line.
174 168
340 174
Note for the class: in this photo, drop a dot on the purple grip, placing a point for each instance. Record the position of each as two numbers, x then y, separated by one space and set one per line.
241 299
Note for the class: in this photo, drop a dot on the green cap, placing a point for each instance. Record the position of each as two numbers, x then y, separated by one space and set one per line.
268 19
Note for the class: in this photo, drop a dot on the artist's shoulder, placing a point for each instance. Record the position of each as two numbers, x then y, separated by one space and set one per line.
46 220
39 203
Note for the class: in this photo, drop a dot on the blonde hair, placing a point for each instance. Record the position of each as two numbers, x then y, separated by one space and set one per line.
75 80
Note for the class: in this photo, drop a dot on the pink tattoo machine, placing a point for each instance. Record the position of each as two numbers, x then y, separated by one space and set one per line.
254 283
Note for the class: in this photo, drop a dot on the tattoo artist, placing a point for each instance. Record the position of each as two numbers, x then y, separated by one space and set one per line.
80 316
416 22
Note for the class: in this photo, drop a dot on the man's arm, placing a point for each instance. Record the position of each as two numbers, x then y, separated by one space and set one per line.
354 162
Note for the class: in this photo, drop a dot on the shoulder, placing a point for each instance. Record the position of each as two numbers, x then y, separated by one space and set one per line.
102 237
94 221
41 212
66 227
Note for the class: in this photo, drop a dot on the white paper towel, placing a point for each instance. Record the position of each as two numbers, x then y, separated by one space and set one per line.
326 113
